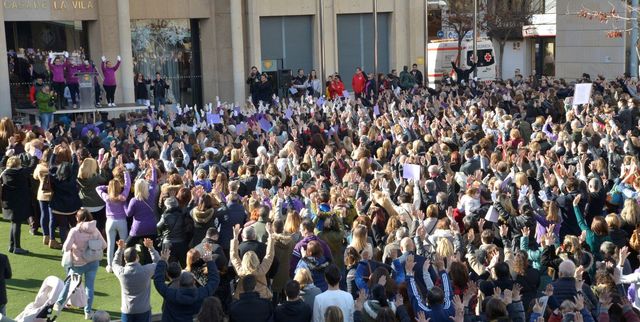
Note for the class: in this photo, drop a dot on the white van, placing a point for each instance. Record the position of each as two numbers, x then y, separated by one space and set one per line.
442 52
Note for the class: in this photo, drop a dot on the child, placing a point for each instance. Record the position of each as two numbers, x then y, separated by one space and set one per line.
203 181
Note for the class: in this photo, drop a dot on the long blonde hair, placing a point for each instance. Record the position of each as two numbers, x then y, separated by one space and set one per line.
88 168
444 248
630 212
114 190
359 238
141 190
250 263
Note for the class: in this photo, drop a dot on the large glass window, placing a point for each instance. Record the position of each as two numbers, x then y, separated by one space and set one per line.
28 45
170 47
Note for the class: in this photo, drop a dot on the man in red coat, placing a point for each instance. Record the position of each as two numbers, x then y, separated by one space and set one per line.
358 82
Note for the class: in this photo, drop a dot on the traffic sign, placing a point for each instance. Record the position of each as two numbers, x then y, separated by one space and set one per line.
440 34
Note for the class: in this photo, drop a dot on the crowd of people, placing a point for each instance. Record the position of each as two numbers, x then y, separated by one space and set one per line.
471 201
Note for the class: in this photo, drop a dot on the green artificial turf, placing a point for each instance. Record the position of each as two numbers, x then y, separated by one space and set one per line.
30 270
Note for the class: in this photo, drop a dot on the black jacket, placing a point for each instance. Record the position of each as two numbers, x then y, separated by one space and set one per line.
5 273
66 193
250 308
463 75
262 92
141 91
159 88
247 185
293 311
16 186
172 226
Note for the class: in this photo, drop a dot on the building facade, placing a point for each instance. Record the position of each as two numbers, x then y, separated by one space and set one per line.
205 48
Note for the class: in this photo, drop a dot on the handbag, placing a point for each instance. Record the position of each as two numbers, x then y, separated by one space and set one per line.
67 261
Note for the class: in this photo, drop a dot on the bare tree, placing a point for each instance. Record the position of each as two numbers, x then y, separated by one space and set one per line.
459 18
611 15
504 20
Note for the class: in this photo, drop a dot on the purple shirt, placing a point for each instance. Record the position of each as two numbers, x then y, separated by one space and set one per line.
143 211
116 209
71 71
57 71
109 74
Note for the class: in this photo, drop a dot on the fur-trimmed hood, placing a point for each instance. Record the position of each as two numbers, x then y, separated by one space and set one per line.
201 217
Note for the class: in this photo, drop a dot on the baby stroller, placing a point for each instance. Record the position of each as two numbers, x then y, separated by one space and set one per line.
41 310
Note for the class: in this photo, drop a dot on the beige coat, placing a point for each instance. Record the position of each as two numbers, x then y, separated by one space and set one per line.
262 287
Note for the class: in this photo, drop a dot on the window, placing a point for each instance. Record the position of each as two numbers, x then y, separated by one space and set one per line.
170 47
486 57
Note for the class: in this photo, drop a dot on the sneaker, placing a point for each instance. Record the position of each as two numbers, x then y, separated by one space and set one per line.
108 268
113 105
20 251
98 105
88 315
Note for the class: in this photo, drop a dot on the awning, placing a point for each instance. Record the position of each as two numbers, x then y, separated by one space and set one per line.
546 30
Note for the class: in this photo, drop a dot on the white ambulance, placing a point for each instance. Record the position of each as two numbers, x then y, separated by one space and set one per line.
442 52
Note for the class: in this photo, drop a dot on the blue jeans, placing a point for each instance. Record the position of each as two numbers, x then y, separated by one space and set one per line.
140 317
157 101
88 272
45 120
46 220
3 309
140 102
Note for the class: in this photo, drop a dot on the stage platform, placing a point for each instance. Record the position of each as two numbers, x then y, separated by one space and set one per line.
106 109
26 114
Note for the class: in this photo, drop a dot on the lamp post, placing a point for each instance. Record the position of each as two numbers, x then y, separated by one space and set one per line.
375 44
425 77
475 33
321 37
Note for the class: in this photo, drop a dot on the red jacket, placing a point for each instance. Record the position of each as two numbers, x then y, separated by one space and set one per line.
358 82
337 88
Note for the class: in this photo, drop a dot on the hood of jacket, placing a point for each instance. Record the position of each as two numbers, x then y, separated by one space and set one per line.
87 226
282 240
372 307
316 264
202 217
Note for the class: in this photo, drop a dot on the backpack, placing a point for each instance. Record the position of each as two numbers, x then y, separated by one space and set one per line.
93 252
46 183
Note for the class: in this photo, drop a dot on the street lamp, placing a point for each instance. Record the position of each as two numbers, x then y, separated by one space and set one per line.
475 38
425 75
375 44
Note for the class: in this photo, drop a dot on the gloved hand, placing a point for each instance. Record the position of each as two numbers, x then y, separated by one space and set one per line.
51 56
104 59
119 58
66 54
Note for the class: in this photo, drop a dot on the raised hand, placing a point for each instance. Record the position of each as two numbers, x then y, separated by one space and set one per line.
148 243
165 254
121 244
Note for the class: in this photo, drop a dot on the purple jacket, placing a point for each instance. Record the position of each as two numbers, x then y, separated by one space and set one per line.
144 212
296 255
116 209
109 74
57 71
71 71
